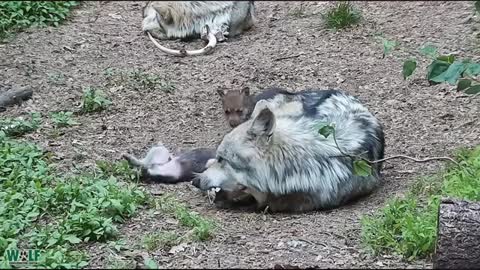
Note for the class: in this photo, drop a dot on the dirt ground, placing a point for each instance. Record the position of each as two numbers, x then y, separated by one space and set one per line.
419 120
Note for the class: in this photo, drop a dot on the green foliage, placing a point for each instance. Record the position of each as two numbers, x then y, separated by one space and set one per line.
388 46
341 16
164 240
326 130
18 126
408 226
202 228
63 119
360 166
442 69
120 169
18 15
55 213
94 100
138 79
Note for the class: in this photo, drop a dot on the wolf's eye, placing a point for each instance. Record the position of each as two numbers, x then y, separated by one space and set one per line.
220 160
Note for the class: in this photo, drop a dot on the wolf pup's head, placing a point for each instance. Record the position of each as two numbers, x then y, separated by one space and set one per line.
240 155
236 105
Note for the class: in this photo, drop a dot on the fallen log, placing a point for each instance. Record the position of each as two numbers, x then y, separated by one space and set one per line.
14 96
458 235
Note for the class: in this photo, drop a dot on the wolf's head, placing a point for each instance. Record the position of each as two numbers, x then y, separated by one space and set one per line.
240 155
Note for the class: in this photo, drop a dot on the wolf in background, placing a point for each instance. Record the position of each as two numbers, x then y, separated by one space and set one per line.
209 20
279 157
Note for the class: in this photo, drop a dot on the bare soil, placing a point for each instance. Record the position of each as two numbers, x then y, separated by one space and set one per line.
284 49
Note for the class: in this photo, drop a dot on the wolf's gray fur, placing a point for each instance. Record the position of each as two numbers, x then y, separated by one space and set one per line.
282 160
189 19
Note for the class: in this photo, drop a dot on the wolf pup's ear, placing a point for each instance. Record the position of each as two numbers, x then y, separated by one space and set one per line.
221 92
263 124
245 91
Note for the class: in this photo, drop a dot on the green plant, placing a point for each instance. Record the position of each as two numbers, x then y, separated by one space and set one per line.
18 126
341 16
408 226
202 228
18 15
120 169
162 240
444 68
45 210
63 119
94 100
447 69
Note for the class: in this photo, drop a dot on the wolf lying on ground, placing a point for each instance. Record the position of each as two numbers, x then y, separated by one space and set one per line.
160 166
209 20
280 158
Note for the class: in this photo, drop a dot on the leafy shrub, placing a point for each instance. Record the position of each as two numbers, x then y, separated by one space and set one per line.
17 15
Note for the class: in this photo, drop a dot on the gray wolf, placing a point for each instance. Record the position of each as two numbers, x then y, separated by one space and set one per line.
209 20
279 157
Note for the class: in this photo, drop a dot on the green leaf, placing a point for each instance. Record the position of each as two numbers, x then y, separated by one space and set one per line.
463 84
473 69
150 264
452 74
408 68
361 168
447 58
72 239
388 46
429 50
472 90
326 130
436 68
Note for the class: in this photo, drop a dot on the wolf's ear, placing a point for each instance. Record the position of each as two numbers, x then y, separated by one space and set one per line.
165 16
263 124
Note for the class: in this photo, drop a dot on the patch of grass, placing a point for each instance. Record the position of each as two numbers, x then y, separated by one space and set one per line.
119 168
138 79
55 213
63 119
162 240
18 15
19 126
94 100
341 16
408 226
202 229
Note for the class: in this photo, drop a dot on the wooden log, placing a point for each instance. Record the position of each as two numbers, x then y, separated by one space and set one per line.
14 96
458 235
